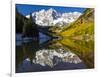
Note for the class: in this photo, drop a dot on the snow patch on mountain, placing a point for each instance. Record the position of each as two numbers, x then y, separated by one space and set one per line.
51 17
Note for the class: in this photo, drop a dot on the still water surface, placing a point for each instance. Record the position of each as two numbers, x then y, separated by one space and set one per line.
46 54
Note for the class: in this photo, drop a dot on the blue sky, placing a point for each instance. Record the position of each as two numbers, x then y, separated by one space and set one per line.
26 9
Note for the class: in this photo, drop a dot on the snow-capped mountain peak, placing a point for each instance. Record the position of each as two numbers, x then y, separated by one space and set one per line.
51 17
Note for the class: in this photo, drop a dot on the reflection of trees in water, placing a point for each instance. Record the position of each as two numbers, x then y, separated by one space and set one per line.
26 50
55 52
84 49
30 49
19 55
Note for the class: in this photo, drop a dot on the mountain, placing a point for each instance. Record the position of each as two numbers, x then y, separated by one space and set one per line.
82 28
51 17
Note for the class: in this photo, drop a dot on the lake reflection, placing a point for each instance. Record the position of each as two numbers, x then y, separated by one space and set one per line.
53 54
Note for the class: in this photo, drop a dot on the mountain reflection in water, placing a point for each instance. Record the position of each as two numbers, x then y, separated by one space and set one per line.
65 54
53 57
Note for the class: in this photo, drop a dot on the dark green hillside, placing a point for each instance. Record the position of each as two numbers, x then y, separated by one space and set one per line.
20 20
27 27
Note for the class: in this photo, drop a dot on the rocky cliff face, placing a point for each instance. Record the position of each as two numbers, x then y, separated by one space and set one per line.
51 17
